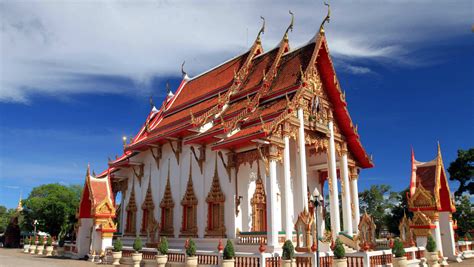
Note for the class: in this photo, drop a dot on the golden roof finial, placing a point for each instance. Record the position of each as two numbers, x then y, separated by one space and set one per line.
262 30
326 19
290 27
182 69
88 171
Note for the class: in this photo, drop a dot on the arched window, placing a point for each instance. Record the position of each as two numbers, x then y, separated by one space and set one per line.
167 205
189 204
131 213
215 208
259 206
148 208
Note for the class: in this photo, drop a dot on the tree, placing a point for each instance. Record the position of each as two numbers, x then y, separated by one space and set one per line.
377 201
54 206
400 207
5 215
462 170
464 215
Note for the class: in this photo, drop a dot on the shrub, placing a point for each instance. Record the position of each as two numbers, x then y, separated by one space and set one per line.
163 247
288 250
61 242
49 242
430 244
118 245
229 252
137 244
32 240
468 236
26 241
191 248
339 251
40 241
398 249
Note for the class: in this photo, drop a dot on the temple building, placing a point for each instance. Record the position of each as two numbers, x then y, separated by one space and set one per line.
432 204
235 152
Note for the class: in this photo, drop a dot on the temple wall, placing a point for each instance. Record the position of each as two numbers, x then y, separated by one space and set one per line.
447 235
83 240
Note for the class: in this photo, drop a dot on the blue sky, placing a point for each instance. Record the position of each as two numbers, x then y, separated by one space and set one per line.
77 77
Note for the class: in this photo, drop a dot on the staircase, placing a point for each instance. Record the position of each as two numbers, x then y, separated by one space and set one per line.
348 249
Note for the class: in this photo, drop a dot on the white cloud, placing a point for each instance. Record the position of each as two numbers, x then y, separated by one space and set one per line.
61 48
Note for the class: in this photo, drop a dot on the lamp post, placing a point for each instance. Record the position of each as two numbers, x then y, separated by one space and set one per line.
314 198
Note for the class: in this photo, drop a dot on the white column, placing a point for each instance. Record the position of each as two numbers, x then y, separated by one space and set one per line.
288 193
355 202
346 200
302 148
333 191
272 231
437 236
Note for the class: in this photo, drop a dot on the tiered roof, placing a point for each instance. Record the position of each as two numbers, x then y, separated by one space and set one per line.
242 100
96 194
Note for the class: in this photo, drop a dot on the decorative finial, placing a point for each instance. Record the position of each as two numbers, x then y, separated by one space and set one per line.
88 171
262 30
290 27
151 102
182 69
124 140
326 19
168 88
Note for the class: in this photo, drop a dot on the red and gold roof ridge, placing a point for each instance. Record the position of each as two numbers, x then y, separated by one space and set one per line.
430 178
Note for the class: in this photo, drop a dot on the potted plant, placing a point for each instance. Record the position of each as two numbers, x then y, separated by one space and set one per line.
33 245
432 252
26 245
137 256
288 255
162 257
49 247
117 252
467 237
40 246
229 255
191 259
398 251
339 254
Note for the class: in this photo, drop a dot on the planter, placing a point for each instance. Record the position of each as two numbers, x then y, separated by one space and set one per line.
231 263
340 262
39 250
26 248
137 259
288 263
161 260
59 251
191 261
116 256
400 262
49 251
433 259
32 249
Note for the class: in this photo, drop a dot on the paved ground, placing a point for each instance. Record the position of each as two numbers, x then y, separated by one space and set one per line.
16 257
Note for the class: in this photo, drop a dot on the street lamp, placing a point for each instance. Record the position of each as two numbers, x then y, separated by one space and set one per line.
314 198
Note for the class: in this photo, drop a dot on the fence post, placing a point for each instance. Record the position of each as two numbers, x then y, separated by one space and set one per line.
313 258
366 259
263 259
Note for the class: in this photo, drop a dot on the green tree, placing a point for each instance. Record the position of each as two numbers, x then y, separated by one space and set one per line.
462 170
54 206
5 215
464 215
378 202
400 207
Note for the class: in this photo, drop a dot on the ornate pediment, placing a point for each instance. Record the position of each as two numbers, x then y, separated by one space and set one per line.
421 199
104 208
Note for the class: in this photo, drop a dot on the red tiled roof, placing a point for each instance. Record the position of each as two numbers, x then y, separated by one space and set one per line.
218 78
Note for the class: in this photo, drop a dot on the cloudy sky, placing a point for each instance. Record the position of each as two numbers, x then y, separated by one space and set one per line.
76 75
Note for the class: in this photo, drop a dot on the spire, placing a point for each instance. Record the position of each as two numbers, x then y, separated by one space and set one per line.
168 89
19 208
152 105
439 150
413 182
